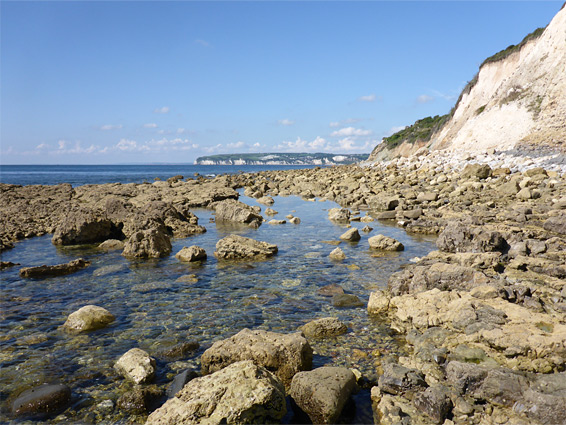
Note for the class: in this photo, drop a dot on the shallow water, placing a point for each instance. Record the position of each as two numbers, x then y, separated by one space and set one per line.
155 309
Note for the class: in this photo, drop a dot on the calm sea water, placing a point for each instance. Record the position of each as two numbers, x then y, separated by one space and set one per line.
161 303
78 175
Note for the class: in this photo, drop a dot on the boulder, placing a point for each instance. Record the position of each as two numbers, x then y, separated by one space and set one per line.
325 327
461 237
284 354
179 351
351 235
397 379
56 270
44 399
337 254
323 392
241 393
147 244
232 210
179 381
385 243
339 214
481 171
235 247
434 403
266 200
112 245
346 301
378 302
83 226
190 254
136 365
556 224
139 400
271 211
383 203
330 290
276 222
427 197
88 318
295 220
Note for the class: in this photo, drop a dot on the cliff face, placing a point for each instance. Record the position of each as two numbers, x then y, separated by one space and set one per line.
520 99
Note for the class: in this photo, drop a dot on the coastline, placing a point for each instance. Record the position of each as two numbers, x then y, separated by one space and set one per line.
484 316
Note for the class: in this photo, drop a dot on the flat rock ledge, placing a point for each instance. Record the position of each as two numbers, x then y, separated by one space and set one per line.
235 247
322 393
88 318
241 393
56 270
284 354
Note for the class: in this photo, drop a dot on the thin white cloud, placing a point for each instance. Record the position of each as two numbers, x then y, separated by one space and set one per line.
108 127
424 98
368 98
319 144
202 43
286 122
449 97
181 130
42 146
394 129
162 110
334 124
350 131
150 125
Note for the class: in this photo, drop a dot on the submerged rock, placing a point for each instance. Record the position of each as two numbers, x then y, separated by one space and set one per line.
325 327
337 254
241 393
88 318
56 270
42 400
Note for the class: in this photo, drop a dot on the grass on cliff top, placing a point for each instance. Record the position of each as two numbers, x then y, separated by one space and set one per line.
513 48
421 131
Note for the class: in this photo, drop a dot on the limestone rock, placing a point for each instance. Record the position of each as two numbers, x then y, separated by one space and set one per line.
459 237
82 226
295 220
190 254
323 392
337 254
136 365
434 402
285 354
385 243
556 224
481 171
112 245
346 301
270 211
235 247
231 210
397 379
378 302
351 235
325 327
56 270
43 399
241 393
339 214
147 244
88 318
276 222
266 200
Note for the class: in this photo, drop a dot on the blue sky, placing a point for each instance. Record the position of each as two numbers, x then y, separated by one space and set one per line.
120 82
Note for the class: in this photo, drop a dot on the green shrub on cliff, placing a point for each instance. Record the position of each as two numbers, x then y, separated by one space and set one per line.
421 131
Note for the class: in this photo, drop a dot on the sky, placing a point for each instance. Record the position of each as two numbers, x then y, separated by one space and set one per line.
108 82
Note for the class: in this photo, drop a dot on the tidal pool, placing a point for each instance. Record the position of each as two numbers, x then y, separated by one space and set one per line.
161 303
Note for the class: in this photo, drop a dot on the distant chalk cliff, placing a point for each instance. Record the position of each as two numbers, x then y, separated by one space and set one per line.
281 159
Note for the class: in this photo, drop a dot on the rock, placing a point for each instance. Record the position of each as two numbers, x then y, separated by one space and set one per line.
481 171
325 327
139 400
427 197
337 254
367 229
56 270
147 244
339 214
231 210
556 224
458 237
180 381
524 194
545 400
378 302
270 211
266 200
284 354
346 301
42 400
276 222
295 220
136 365
235 247
7 264
330 290
179 351
383 203
385 243
434 402
510 188
398 379
351 235
413 214
112 245
191 254
82 226
88 318
323 392
387 215
241 393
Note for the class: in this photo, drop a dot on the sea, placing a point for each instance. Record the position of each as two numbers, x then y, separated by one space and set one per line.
161 303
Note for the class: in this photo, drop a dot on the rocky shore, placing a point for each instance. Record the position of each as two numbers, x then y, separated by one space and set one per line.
484 315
